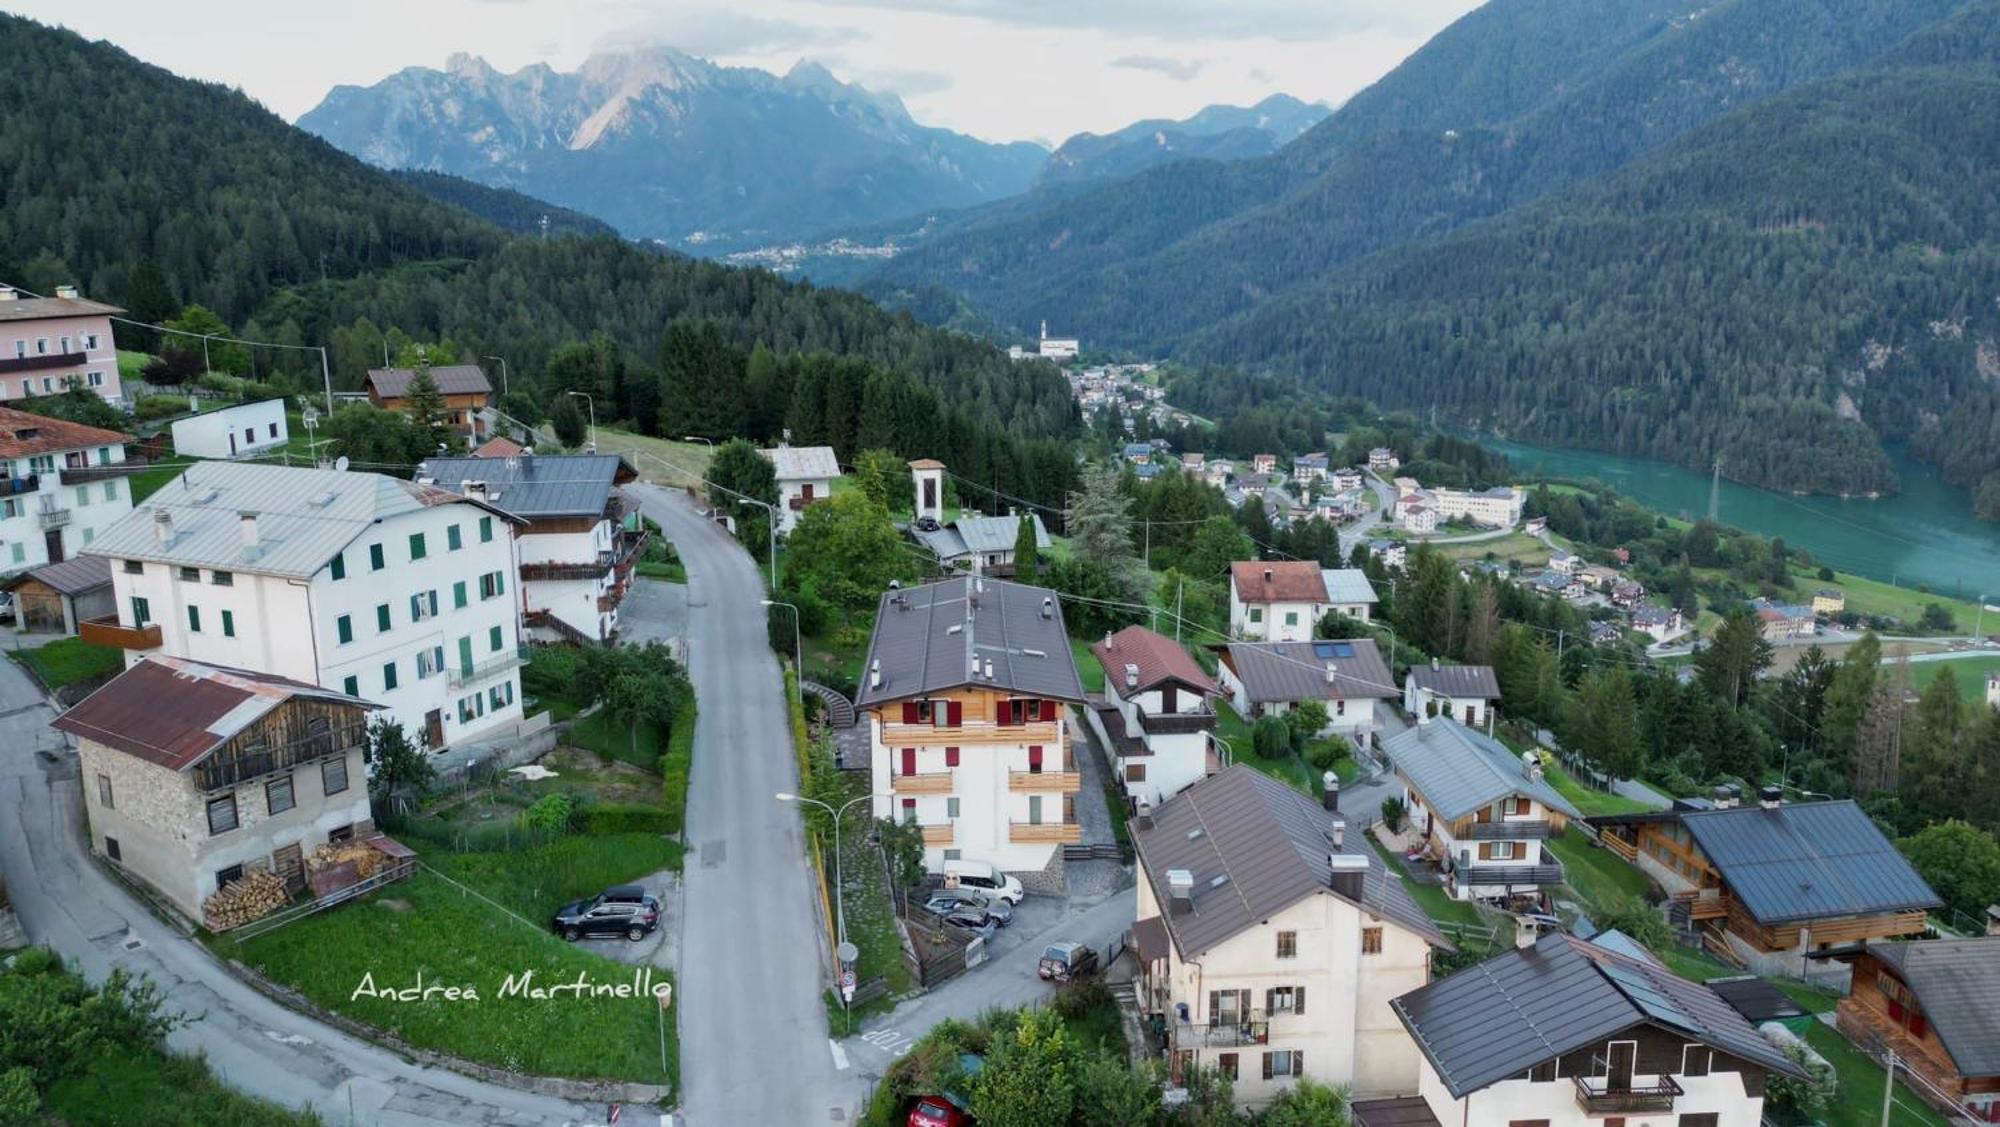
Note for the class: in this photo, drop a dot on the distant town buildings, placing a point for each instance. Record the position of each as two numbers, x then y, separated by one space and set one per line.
1383 460
1058 349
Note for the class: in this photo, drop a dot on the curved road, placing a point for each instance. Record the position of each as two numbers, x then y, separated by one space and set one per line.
754 1045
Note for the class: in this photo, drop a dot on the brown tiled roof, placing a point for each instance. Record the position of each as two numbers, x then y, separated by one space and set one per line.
499 446
1158 657
51 308
1278 581
173 712
23 435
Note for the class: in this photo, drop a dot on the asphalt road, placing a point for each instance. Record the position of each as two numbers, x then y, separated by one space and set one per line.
754 1046
257 1045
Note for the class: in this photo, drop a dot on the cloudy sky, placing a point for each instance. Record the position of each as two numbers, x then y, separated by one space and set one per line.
999 69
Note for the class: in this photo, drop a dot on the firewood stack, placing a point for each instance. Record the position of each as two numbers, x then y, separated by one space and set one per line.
249 897
365 858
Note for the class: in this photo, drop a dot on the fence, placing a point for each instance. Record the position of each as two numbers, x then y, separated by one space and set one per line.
267 924
1101 851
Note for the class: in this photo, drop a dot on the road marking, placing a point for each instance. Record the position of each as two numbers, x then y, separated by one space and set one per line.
839 1055
891 1041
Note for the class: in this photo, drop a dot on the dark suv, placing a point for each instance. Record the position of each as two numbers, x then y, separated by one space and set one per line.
625 910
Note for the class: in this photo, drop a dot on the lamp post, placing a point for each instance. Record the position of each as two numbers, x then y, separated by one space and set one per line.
709 442
587 398
503 373
839 896
798 649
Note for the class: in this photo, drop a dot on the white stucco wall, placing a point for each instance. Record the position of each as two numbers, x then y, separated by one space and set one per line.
987 806
1555 1101
233 432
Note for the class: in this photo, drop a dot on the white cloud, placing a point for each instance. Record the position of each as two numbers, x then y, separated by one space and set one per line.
716 32
1194 19
1180 70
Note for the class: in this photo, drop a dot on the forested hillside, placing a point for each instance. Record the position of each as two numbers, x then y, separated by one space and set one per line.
504 208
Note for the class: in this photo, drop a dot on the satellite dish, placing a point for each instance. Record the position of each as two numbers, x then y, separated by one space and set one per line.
340 463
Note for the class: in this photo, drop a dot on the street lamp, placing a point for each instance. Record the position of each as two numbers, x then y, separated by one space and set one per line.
770 527
587 398
697 438
845 951
798 649
503 373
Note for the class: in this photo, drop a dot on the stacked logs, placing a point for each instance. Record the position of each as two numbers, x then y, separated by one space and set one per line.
249 897
365 858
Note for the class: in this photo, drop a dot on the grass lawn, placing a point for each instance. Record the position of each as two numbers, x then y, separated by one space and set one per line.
1430 897
1098 1030
1513 546
130 363
1291 770
871 918
424 926
1087 666
669 572
1594 873
538 880
1869 596
1859 1102
1971 673
1694 965
1588 799
69 660
605 736
688 461
128 1087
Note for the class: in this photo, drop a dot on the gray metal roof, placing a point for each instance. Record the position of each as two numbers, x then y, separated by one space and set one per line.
1347 584
1957 982
976 535
803 463
452 379
1293 671
535 485
928 637
1457 680
304 517
73 576
1496 1020
1807 861
1255 847
1459 771
43 308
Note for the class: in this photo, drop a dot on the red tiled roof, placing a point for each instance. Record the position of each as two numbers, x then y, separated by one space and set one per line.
499 446
1278 581
23 435
1158 657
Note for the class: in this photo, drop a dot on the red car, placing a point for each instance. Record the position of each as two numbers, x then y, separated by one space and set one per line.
937 1111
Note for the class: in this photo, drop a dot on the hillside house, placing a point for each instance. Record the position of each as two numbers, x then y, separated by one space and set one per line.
1345 479
57 598
1308 468
233 432
1156 715
1263 464
51 344
1829 601
1394 554
61 485
1349 592
1936 1003
1481 813
1272 678
1462 692
464 387
1381 459
1498 507
805 476
1275 600
981 545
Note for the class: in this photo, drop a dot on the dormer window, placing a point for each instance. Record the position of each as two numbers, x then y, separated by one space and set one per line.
935 713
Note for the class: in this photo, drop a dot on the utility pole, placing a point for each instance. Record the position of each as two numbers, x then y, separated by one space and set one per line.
1715 492
1180 590
1889 1088
326 374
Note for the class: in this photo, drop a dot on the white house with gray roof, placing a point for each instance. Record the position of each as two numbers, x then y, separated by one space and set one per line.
805 476
1349 592
982 545
1463 692
379 588
1482 814
1271 941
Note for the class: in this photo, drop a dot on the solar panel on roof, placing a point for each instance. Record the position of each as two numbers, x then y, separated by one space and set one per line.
1644 994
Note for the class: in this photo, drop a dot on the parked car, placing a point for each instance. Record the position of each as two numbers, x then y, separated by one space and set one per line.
1062 962
927 524
947 901
7 605
982 877
625 909
946 1109
972 918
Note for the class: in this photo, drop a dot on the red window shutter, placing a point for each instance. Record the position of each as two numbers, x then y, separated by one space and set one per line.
1000 712
954 713
909 761
1917 1025
909 804
1035 758
909 712
1048 710
951 757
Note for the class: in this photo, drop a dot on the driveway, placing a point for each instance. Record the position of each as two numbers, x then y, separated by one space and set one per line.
754 1045
255 1044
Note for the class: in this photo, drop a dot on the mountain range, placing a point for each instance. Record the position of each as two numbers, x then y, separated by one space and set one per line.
1213 133
666 146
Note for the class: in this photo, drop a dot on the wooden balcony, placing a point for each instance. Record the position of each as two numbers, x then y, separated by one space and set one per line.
1044 782
1709 904
945 834
106 632
898 734
43 362
932 782
1509 830
1201 719
1596 1095
1045 833
1623 849
103 471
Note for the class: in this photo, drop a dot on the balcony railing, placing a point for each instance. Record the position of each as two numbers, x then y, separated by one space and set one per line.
1045 833
1045 782
932 782
550 570
895 733
1598 1096
1480 876
15 485
53 518
1508 831
1167 723
107 632
1223 1033
944 834
44 362
462 676
215 774
103 471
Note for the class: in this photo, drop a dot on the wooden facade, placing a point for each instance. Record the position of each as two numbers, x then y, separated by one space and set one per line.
1880 1008
297 732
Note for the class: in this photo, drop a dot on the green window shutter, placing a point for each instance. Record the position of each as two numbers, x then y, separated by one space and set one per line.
339 566
351 686
465 655
228 624
389 676
416 546
194 619
499 582
382 617
452 539
345 626
375 561
494 636
485 529
458 594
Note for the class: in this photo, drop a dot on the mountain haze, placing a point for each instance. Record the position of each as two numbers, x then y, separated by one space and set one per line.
666 146
1215 133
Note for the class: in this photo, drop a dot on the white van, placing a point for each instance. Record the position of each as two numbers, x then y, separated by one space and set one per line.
983 878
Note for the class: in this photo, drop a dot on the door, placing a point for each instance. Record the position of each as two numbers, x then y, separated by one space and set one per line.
232 444
434 728
53 538
1620 1060
806 492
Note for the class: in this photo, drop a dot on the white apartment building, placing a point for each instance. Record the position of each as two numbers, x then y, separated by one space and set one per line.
1275 600
1482 814
233 432
576 544
805 475
1156 714
61 485
51 344
1461 692
1499 507
1271 941
964 692
394 592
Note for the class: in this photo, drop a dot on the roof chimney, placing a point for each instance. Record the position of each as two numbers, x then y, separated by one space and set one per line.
1145 818
247 524
875 674
1131 675
1350 872
69 292
1180 886
1108 643
163 527
1771 797
1269 574
1048 606
1724 796
9 293
1434 663
1337 832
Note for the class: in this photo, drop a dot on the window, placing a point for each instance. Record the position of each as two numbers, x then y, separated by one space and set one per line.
1288 944
500 696
430 661
417 550
951 807
382 618
110 491
1695 1060
375 560
344 628
1291 618
273 429
1527 1123
1225 1063
190 575
194 619
351 686
388 676
1135 772
333 775
1256 614
1513 806
1284 1063
83 496
1371 940
909 810
96 379
423 604
465 655
496 639
222 578
452 538
1700 1119
339 834
1285 1000
485 530
228 876
229 624
1035 760
1502 850
222 814
1034 809
20 552
338 568
492 585
458 595
104 793
41 346
278 795
1543 1073
135 567
111 849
